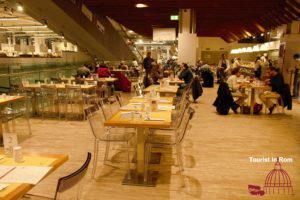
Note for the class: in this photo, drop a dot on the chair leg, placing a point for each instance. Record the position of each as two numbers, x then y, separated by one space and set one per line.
179 158
106 151
147 159
96 146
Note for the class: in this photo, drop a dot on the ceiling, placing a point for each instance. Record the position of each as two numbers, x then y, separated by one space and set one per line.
22 25
229 19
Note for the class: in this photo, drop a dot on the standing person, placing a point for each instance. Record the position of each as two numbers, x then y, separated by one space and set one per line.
257 68
296 81
276 82
222 66
147 63
264 60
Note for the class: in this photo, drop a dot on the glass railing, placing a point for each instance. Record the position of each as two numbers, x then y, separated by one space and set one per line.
14 75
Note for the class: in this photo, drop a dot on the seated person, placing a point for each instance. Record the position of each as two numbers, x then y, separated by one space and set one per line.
103 71
156 74
185 74
276 82
123 66
234 86
83 72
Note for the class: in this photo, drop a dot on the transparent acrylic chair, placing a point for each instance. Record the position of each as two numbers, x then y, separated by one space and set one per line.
10 114
138 90
169 138
76 101
49 99
68 187
107 135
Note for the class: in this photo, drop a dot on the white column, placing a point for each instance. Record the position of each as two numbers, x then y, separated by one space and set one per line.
187 37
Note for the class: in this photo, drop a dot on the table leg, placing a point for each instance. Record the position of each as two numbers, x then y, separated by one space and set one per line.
252 102
136 176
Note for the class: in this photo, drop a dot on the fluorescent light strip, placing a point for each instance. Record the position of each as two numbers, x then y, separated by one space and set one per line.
9 18
13 27
26 31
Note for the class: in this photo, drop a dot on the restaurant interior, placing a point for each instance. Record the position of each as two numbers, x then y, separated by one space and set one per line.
141 99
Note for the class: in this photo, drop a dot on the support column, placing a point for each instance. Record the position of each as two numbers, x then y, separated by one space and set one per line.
187 37
292 47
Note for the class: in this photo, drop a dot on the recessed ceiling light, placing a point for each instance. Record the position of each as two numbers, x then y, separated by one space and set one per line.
262 34
20 8
268 33
130 31
141 5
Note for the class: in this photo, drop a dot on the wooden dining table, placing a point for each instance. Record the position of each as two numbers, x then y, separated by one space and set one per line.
158 119
15 191
175 81
102 80
169 90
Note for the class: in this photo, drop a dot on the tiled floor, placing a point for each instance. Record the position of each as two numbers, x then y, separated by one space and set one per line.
216 151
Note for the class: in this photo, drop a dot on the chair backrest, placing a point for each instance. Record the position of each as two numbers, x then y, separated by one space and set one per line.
96 120
138 89
105 108
119 99
72 181
183 102
48 90
74 92
181 130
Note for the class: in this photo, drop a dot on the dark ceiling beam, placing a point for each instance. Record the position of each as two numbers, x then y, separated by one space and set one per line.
281 16
292 10
294 4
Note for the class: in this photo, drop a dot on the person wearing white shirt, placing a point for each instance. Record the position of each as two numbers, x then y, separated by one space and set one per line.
135 63
237 63
234 87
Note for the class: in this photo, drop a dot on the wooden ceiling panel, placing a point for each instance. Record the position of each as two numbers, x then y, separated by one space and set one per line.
229 19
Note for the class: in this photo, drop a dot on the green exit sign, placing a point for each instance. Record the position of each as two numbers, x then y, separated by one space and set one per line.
174 17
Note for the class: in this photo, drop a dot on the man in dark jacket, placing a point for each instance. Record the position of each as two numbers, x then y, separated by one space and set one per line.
147 63
276 82
186 74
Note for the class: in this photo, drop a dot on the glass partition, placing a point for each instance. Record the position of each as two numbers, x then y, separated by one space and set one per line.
13 75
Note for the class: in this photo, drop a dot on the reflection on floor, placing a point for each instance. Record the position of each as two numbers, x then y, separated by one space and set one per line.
216 151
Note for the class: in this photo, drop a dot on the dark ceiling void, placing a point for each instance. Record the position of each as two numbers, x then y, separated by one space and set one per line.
229 19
